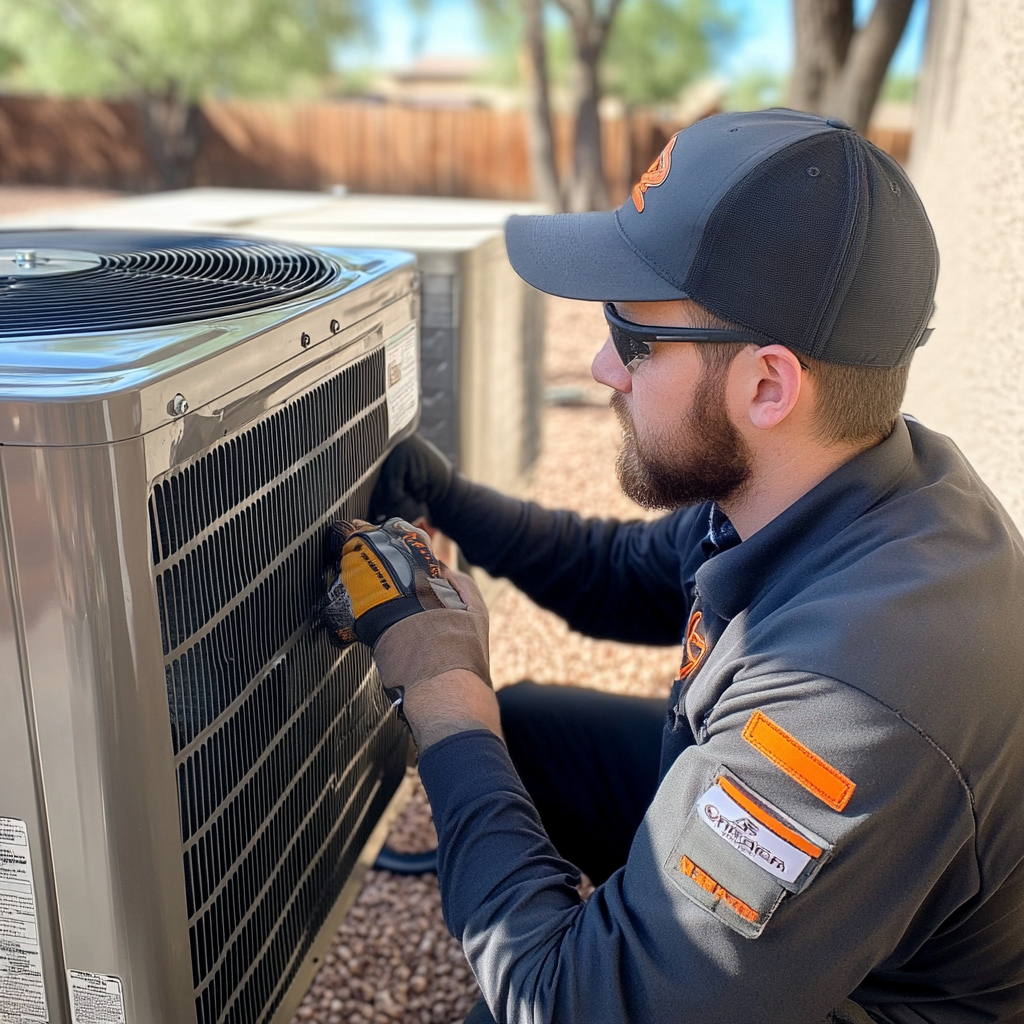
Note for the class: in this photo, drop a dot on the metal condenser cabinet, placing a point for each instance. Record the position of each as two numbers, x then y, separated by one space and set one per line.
188 770
483 326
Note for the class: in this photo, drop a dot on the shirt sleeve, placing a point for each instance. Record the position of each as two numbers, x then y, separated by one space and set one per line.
627 581
703 925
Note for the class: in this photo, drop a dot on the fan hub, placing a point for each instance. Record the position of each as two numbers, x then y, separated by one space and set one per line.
45 262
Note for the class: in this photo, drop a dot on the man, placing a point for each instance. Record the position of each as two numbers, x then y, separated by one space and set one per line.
828 824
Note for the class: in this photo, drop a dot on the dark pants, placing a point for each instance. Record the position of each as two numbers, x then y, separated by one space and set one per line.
589 760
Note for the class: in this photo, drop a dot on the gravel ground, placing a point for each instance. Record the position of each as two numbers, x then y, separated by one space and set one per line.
392 959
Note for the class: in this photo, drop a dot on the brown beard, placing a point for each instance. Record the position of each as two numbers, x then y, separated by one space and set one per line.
705 460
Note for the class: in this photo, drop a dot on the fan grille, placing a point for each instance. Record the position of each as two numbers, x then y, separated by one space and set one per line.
286 752
152 280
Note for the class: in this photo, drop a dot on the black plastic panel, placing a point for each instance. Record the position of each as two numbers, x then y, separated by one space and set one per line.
287 752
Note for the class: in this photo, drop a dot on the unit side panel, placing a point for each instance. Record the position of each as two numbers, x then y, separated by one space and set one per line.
534 326
439 351
80 537
21 796
493 405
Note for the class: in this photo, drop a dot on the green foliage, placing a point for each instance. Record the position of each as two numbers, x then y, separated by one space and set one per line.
655 47
658 47
755 90
181 48
10 59
501 28
900 88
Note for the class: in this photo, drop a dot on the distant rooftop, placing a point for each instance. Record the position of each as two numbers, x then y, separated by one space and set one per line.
438 68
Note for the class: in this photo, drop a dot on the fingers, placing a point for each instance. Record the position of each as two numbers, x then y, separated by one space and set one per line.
350 526
395 503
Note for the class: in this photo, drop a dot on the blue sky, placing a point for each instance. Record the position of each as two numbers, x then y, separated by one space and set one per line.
763 41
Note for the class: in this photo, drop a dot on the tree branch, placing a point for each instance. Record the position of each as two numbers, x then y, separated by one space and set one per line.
541 136
609 15
579 11
82 18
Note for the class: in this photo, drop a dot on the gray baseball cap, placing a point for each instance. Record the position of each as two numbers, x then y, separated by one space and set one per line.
790 225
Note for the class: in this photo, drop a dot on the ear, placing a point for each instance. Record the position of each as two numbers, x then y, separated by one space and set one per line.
772 383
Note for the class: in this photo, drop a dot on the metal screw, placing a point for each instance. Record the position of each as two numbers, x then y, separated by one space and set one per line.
335 327
179 405
305 340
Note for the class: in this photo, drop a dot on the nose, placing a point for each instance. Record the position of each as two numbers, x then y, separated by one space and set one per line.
607 368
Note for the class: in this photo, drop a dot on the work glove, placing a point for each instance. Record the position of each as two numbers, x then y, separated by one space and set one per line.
421 618
414 482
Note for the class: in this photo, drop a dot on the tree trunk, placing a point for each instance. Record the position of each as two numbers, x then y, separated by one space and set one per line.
541 134
838 70
588 190
855 91
172 127
824 29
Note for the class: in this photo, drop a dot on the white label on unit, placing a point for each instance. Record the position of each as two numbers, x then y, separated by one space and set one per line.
96 998
22 994
401 357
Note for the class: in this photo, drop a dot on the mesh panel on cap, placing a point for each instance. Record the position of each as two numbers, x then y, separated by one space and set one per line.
825 248
775 246
889 301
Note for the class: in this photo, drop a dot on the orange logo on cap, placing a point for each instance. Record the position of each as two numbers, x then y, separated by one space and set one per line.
654 175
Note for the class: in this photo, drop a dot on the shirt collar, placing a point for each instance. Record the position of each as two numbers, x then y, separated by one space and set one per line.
733 580
721 533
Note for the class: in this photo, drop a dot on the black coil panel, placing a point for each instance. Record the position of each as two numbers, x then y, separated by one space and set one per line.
286 751
147 279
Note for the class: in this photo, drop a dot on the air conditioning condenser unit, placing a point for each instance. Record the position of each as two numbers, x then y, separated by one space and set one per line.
188 769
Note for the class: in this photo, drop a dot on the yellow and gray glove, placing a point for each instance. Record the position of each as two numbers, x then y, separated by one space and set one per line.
391 593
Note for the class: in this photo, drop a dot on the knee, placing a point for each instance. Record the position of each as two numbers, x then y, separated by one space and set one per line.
515 699
517 705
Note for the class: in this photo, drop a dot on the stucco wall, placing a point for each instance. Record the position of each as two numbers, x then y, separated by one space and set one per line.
968 164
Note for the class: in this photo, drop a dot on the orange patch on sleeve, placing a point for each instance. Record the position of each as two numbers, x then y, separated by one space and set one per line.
769 821
800 763
708 884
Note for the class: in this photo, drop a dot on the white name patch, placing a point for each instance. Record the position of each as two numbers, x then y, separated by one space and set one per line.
755 841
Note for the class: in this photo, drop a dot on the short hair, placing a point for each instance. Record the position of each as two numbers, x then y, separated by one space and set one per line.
854 404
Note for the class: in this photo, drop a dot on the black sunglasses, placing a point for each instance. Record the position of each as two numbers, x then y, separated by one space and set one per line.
633 341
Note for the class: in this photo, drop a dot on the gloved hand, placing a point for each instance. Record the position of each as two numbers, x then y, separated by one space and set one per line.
413 483
420 618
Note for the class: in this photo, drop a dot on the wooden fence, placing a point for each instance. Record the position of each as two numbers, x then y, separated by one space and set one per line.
366 146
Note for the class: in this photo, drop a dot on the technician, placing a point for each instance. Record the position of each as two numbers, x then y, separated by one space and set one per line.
828 823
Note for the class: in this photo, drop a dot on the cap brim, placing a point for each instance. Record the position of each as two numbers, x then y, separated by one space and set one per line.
582 256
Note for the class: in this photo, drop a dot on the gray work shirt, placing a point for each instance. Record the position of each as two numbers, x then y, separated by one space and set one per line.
849 820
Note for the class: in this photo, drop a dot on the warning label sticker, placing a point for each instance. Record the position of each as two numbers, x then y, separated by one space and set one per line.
96 998
22 995
401 358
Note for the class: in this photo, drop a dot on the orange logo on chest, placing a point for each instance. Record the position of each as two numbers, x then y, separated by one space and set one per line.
654 175
694 647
